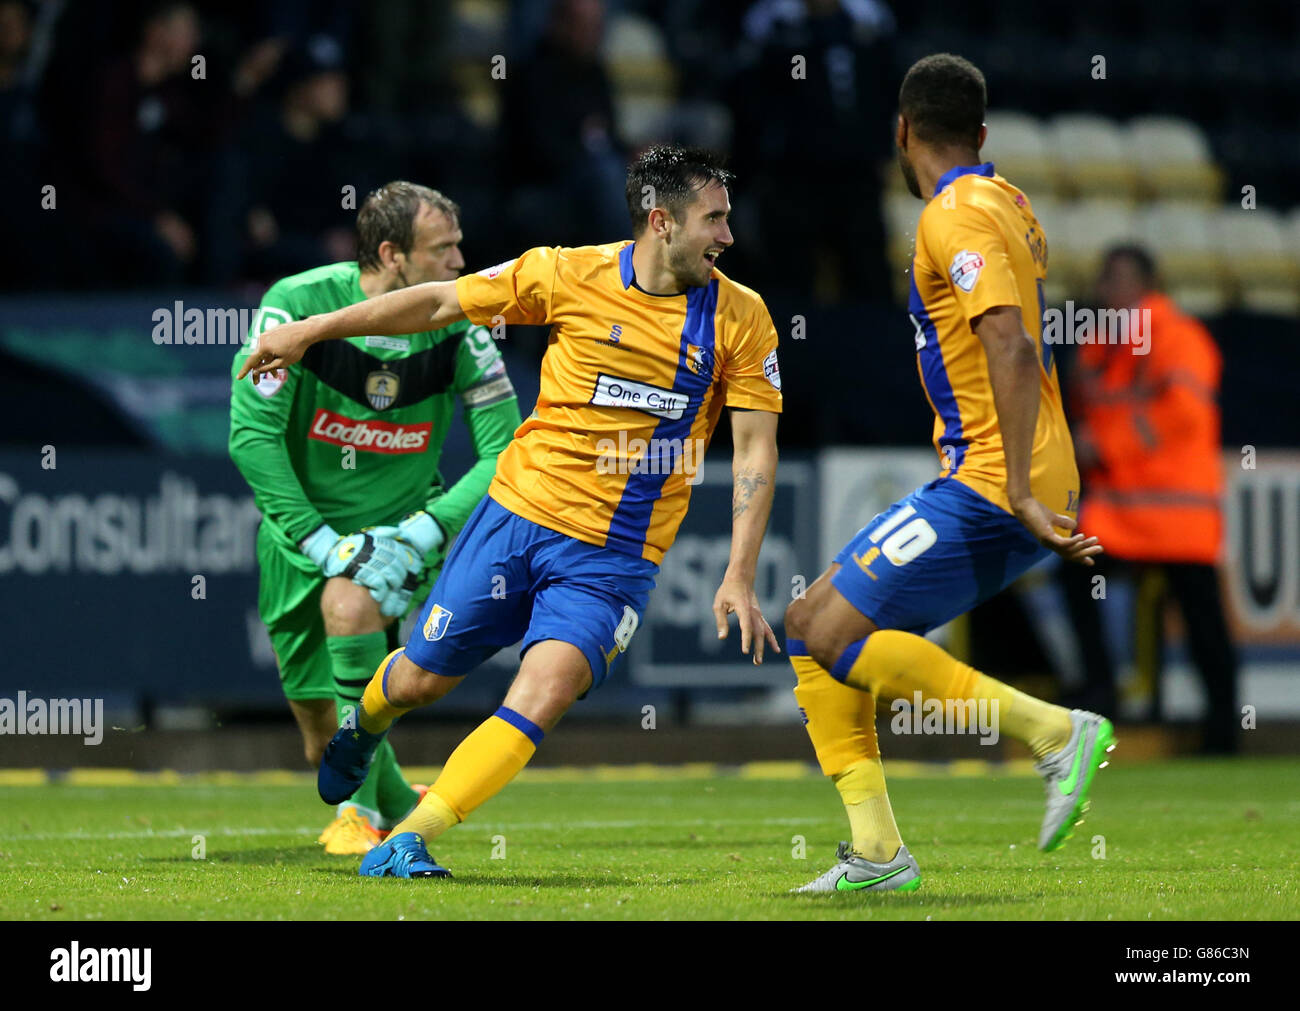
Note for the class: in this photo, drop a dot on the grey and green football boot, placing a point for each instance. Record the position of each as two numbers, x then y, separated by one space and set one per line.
855 873
1068 773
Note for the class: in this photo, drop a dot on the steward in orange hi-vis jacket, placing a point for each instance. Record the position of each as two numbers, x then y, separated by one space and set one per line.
1148 422
1147 442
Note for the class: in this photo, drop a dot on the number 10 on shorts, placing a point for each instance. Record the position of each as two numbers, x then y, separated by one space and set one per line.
904 542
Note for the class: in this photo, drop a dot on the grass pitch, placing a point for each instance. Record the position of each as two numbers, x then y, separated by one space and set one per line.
1177 840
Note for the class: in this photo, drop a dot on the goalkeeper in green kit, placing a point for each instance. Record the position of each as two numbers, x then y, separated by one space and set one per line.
341 451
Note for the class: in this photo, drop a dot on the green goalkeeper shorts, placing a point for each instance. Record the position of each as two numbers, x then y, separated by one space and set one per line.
288 601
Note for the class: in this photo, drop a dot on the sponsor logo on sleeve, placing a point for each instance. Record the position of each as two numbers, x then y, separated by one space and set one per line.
492 272
268 383
772 370
268 316
965 269
490 392
487 356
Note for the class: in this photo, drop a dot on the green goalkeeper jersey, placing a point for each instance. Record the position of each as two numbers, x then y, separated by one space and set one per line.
351 435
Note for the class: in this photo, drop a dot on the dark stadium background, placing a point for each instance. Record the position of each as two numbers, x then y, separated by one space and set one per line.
387 89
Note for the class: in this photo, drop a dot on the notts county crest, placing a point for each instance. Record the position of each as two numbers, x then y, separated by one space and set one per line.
381 389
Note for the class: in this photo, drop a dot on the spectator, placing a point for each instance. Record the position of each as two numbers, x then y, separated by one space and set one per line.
19 168
300 160
813 112
162 194
149 130
1147 441
564 160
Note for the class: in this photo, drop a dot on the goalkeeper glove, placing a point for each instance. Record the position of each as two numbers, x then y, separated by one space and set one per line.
417 535
317 545
420 530
394 603
378 563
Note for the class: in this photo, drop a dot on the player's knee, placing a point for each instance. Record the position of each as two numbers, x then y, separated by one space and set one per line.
410 685
824 644
552 679
546 704
349 609
796 618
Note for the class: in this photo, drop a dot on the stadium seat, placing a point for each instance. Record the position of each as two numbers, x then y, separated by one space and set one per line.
480 27
1257 258
1092 156
1086 229
1173 159
636 57
1018 148
1292 229
1181 235
642 119
1200 300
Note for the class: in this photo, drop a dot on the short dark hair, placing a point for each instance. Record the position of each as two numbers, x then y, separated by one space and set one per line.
669 176
1140 256
943 99
388 215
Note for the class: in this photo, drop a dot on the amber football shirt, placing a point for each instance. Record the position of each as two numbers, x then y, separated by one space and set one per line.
632 386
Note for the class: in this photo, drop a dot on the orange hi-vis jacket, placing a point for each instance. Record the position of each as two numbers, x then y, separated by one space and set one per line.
1155 493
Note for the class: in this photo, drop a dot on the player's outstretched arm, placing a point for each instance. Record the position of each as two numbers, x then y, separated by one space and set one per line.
753 468
1013 372
429 306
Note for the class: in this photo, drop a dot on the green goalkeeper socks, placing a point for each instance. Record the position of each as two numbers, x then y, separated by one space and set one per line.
385 797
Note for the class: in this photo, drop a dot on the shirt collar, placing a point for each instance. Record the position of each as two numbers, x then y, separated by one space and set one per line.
985 169
625 272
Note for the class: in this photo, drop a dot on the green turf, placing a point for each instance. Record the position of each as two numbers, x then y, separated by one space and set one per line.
1193 839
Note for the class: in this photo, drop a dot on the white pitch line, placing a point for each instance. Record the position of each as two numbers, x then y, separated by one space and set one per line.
255 830
169 833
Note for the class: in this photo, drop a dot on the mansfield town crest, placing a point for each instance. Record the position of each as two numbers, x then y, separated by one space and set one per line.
381 389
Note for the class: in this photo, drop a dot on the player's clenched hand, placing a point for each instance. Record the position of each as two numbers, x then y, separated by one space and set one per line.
278 348
737 597
1039 521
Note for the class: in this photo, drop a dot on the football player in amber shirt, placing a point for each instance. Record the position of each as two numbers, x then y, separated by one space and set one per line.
1007 489
649 342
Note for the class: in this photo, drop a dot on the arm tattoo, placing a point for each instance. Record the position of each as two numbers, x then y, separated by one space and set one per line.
747 482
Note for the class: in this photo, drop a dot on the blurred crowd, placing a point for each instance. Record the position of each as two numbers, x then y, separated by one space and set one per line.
218 143
224 143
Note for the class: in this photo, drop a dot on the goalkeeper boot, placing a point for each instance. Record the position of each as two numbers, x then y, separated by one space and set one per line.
1068 773
346 762
350 834
855 873
401 856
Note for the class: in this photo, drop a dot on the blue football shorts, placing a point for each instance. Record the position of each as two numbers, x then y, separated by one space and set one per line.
508 579
933 555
